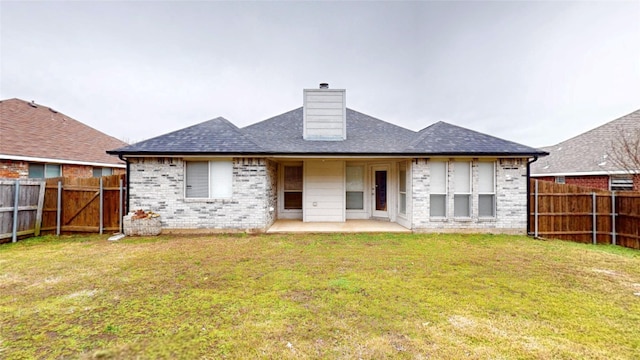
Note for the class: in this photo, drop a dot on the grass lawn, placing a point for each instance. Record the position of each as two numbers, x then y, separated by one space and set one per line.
366 296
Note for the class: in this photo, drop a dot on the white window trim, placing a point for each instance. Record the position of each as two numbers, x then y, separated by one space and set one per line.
209 182
406 189
446 191
494 193
468 194
364 186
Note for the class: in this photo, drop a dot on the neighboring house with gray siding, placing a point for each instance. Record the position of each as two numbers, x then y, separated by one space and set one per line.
324 162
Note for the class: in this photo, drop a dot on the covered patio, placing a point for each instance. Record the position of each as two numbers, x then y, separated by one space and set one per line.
349 226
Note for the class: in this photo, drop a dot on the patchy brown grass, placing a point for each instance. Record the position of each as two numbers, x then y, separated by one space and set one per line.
318 296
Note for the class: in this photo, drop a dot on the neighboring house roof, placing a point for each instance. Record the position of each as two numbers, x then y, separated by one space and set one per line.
366 135
587 153
34 132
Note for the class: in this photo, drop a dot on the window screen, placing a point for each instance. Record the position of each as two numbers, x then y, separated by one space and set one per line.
197 179
486 189
438 186
462 189
355 188
293 187
402 189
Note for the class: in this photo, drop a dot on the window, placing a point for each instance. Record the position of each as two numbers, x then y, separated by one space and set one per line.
355 188
486 189
560 180
462 189
621 183
293 187
99 172
209 179
402 189
438 197
39 171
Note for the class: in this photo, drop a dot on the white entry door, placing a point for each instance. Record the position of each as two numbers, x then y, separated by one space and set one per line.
380 191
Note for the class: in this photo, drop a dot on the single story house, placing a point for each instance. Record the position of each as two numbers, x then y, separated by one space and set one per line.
37 141
588 159
324 162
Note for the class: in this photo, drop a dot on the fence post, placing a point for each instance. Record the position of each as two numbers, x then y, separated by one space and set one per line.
16 202
38 224
535 211
613 218
120 210
101 205
594 240
59 205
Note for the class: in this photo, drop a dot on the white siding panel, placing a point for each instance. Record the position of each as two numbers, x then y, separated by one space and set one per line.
324 191
327 98
334 111
324 114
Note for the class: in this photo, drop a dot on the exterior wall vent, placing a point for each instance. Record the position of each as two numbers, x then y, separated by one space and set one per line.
325 114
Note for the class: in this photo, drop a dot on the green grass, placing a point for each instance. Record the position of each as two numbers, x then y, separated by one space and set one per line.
318 296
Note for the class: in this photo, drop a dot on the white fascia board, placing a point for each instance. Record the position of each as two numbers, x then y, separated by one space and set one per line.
587 173
60 161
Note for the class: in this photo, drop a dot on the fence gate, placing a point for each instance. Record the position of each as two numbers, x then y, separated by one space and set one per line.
21 203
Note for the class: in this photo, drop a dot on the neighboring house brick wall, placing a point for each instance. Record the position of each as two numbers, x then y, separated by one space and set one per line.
593 182
12 169
157 184
511 200
77 171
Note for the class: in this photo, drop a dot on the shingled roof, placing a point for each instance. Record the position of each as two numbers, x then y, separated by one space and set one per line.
587 153
366 135
30 130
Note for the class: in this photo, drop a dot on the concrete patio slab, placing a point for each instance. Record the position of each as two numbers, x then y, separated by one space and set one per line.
350 226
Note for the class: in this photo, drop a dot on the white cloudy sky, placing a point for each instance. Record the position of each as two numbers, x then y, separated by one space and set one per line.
532 72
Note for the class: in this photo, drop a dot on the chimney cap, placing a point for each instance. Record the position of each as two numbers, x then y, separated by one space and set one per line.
324 85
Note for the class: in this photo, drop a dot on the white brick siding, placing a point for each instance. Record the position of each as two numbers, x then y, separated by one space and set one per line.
511 200
157 184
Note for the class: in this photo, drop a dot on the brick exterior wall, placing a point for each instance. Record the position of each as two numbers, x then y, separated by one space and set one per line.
10 169
593 182
158 185
80 171
511 200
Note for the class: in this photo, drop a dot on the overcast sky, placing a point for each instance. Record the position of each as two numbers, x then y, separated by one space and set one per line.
532 72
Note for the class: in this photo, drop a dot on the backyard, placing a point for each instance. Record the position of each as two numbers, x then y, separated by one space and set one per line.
353 296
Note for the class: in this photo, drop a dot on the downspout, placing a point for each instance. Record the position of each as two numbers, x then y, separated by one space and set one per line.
535 158
128 177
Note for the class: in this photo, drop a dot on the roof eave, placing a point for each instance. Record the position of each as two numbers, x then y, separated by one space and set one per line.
348 154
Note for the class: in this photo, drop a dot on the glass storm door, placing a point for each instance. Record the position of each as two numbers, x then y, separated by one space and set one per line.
380 203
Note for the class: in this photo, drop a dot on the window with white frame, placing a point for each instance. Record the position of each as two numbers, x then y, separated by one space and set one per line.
560 180
486 189
209 179
462 189
292 187
402 188
438 188
355 187
99 172
40 171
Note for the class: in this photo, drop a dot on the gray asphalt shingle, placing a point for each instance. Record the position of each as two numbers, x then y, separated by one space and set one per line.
588 152
282 134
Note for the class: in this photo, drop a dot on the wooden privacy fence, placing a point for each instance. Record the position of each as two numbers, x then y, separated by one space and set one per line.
584 215
20 208
84 204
